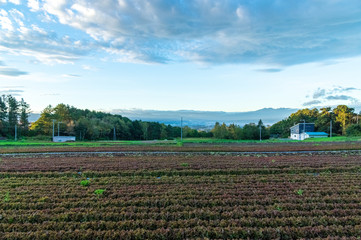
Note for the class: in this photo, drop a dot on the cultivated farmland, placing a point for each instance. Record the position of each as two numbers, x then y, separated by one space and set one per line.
137 195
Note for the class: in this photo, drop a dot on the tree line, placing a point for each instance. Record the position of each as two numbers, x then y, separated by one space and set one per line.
95 125
249 131
14 116
342 120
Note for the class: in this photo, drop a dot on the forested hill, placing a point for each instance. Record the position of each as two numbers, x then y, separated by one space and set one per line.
94 125
342 118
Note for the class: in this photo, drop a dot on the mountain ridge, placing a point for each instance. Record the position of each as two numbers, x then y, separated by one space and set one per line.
207 119
200 119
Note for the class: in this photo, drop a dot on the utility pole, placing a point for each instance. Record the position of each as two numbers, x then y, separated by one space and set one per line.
181 129
53 128
331 128
16 132
58 129
260 132
304 128
114 137
146 132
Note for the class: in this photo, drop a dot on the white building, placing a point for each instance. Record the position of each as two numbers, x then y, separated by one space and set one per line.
63 139
302 131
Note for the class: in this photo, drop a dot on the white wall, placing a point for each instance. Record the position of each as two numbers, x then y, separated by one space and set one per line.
63 138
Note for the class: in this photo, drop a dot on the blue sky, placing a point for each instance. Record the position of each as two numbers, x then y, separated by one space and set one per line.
170 55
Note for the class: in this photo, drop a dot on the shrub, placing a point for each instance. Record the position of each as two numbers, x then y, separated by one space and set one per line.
299 192
353 130
85 183
99 191
7 197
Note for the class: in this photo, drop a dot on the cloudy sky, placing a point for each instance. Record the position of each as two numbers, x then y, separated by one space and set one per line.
224 55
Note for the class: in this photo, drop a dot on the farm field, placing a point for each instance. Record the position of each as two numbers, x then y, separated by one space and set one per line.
188 145
179 195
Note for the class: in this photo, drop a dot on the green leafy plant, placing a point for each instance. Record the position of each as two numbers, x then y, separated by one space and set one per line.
273 161
278 207
43 199
299 192
99 192
85 183
184 164
7 197
326 172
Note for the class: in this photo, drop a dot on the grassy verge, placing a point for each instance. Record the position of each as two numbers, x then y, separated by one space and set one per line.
213 140
32 143
177 143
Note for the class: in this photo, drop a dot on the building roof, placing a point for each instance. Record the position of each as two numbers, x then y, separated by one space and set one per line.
302 124
316 133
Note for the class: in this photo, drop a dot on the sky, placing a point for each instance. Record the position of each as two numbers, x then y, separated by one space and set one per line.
226 55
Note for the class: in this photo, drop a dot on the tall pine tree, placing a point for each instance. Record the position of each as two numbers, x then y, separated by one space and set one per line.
3 116
13 114
24 116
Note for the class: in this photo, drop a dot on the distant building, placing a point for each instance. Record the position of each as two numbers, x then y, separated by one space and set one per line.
64 139
302 131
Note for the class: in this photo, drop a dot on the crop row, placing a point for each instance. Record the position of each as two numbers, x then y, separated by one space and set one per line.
193 147
136 162
203 232
242 216
252 197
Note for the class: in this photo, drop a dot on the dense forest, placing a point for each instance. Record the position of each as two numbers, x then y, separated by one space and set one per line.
94 125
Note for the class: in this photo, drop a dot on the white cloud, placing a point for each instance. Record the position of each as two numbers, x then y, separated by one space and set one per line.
240 13
16 2
19 37
34 5
271 32
38 29
5 71
17 16
336 93
89 68
70 75
5 22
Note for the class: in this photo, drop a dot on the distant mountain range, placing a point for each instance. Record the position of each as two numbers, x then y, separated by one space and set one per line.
207 119
201 119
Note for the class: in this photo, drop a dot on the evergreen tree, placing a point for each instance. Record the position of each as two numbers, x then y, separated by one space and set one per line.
3 116
13 113
24 116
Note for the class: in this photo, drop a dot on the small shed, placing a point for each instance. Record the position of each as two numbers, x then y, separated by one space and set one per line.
298 130
64 139
315 134
301 131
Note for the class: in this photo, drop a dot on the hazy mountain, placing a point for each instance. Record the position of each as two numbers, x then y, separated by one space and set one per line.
201 119
33 117
207 119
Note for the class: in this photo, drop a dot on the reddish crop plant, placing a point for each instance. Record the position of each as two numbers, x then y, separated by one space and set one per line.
180 196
